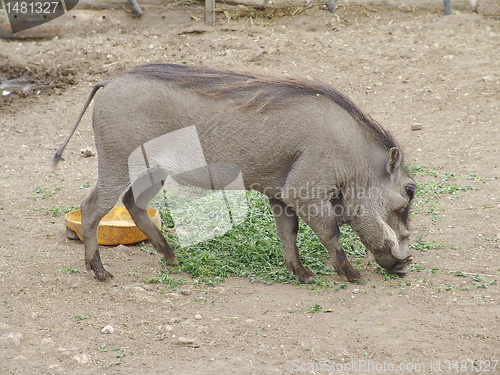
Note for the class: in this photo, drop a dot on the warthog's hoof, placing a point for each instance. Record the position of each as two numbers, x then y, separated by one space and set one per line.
306 276
172 260
353 276
102 275
95 265
349 273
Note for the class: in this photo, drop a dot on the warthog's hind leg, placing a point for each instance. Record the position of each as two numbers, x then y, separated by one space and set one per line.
97 204
144 222
287 225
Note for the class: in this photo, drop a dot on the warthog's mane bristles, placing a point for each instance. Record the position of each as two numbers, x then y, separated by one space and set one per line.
258 92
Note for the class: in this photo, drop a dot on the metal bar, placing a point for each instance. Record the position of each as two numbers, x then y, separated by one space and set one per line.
210 12
136 6
447 7
331 5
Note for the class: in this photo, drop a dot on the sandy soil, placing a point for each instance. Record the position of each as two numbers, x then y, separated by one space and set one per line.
403 67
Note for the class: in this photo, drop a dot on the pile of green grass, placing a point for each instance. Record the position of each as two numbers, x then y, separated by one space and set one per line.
253 249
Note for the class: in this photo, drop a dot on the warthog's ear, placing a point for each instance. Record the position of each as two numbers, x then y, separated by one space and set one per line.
394 160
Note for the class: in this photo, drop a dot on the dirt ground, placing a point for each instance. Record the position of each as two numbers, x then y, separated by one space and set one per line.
404 66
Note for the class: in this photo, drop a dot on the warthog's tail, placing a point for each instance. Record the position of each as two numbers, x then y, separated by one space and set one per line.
59 152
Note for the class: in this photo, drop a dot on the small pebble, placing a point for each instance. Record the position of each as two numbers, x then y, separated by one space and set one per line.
149 287
416 126
150 299
185 340
47 341
11 339
108 329
404 8
167 327
355 291
87 152
197 316
81 358
185 291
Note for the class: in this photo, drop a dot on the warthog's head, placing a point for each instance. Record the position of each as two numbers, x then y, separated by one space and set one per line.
382 221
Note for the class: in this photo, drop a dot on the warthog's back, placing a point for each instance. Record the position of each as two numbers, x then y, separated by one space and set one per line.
262 124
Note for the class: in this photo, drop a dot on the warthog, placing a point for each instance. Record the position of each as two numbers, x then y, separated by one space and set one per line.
302 143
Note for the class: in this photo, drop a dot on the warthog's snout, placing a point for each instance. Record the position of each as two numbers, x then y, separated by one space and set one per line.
392 264
386 259
401 267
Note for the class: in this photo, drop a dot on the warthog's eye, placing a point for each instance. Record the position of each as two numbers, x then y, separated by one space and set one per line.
410 190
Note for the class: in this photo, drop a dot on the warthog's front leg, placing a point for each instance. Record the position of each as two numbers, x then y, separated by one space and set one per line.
287 225
328 233
340 262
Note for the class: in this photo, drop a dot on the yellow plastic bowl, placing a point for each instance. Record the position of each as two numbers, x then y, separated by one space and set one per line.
116 228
